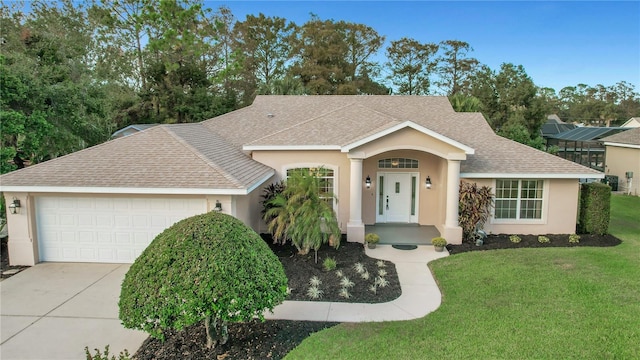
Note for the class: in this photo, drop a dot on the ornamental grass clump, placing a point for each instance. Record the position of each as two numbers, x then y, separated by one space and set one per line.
329 264
315 281
314 292
543 239
346 283
515 239
210 268
344 292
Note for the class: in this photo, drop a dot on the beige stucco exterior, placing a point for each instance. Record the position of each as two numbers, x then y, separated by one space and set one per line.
558 218
620 160
431 153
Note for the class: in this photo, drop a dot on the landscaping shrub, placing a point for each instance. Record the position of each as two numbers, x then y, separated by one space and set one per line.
269 193
595 208
208 267
329 264
124 355
474 208
302 214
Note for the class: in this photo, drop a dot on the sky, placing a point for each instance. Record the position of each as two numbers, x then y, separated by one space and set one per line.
559 43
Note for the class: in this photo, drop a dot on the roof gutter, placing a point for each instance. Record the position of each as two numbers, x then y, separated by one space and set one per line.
530 176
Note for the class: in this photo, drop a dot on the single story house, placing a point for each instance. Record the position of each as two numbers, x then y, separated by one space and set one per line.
623 159
389 159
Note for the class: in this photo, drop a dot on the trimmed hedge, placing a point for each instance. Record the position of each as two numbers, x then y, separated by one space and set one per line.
208 267
595 208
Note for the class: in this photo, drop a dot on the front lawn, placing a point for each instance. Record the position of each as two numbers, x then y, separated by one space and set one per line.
545 303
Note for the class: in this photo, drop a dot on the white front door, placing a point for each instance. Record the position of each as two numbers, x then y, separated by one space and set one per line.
396 197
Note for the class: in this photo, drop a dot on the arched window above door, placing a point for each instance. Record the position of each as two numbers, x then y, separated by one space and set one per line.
397 163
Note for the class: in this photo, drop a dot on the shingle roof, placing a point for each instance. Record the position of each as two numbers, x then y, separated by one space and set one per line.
629 137
341 120
186 156
209 155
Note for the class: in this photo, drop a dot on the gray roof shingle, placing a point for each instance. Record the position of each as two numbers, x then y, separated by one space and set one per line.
209 155
186 156
629 137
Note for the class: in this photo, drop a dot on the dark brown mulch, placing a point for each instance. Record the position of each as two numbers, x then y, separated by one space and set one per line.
301 268
501 241
271 339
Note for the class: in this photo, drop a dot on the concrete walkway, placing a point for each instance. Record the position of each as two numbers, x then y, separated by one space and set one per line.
54 310
420 293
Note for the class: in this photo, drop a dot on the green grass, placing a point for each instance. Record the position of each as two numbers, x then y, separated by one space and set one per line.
553 303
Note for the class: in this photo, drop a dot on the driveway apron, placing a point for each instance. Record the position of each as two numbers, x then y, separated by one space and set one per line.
54 310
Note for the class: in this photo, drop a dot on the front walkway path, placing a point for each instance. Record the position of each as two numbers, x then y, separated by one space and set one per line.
420 293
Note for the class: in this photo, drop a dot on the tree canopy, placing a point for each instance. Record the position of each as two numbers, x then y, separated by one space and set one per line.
72 72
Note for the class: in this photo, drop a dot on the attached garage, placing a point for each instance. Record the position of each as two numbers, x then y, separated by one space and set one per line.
105 229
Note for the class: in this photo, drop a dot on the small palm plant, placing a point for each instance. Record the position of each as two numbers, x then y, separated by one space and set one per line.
302 213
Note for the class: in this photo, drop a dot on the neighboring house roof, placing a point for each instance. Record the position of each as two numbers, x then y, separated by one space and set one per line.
208 157
588 133
180 159
634 122
554 118
629 137
131 129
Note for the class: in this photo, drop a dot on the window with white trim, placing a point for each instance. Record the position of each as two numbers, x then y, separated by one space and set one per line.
518 199
397 163
327 180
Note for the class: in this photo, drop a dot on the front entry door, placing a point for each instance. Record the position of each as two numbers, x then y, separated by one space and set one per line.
396 198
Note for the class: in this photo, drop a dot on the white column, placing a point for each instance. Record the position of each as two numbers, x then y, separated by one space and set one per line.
453 192
355 227
452 231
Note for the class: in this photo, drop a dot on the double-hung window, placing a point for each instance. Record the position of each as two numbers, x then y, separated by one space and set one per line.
519 199
326 179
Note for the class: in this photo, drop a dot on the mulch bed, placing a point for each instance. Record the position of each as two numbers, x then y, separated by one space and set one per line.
301 268
494 242
273 339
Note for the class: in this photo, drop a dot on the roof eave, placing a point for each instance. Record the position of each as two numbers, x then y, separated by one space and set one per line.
123 190
632 146
289 147
471 175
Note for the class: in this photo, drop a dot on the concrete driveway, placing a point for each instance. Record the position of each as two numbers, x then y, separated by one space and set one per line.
54 310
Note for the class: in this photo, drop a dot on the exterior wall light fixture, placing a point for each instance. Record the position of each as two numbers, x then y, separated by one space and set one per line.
14 207
367 182
427 182
218 206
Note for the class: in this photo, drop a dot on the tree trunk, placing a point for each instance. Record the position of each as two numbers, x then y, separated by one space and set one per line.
217 334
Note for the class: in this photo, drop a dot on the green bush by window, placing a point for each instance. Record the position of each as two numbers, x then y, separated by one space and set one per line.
595 208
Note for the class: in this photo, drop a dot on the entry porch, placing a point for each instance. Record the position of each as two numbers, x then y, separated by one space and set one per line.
403 234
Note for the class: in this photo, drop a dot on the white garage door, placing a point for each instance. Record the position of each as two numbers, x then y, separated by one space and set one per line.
85 229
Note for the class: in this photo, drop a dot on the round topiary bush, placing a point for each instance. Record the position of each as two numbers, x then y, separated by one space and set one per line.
208 267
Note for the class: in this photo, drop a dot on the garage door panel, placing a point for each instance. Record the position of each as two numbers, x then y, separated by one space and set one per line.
84 229
122 221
